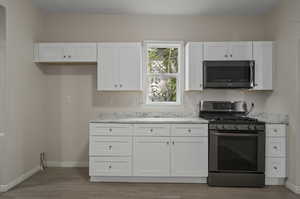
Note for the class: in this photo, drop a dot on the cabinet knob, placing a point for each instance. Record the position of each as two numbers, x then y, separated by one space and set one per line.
275 130
275 147
226 56
65 56
255 84
173 143
151 130
168 143
275 168
230 55
110 130
110 147
109 166
116 85
69 56
121 85
200 85
189 130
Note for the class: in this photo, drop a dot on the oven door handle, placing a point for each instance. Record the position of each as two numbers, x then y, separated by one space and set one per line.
236 134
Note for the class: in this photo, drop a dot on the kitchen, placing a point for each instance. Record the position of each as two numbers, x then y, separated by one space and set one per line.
70 93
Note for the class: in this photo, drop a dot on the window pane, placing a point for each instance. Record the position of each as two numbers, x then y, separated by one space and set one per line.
162 60
162 89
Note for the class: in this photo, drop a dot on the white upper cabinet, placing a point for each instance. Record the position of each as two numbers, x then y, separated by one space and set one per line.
108 74
49 52
263 57
194 66
119 66
130 66
241 50
216 51
81 52
65 52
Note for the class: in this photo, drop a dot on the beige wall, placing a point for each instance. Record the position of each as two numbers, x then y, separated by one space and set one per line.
25 92
284 27
71 92
2 106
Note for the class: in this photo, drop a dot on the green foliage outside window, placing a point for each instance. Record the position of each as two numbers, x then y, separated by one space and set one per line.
162 61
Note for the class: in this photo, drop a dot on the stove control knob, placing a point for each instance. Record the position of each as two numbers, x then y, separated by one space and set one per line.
251 127
220 127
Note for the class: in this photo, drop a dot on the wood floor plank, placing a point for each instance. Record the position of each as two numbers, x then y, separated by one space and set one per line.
73 183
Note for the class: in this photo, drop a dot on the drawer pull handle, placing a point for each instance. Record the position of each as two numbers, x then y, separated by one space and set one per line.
275 167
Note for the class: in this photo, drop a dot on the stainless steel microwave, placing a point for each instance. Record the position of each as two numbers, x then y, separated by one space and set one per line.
228 74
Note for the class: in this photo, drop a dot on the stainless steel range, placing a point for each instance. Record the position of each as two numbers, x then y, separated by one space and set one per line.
236 145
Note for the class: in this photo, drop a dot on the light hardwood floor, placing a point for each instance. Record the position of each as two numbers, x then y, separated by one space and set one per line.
73 183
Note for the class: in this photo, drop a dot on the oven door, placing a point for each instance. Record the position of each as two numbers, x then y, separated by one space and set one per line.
228 74
237 152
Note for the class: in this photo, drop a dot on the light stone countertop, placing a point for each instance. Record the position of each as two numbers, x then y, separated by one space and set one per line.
154 120
271 118
177 118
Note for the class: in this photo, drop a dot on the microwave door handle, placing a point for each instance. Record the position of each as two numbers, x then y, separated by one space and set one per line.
236 134
252 74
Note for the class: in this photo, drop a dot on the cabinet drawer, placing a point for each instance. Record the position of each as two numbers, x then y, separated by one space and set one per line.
276 130
276 147
190 130
152 130
110 166
276 167
110 146
110 129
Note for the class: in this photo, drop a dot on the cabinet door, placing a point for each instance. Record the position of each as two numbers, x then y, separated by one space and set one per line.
189 156
263 57
194 66
51 52
107 69
240 51
151 156
81 52
216 51
130 66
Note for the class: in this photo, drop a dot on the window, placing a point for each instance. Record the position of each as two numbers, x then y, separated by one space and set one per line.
163 76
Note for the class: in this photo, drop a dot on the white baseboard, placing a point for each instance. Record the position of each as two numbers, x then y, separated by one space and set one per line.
149 179
294 188
66 164
23 177
275 181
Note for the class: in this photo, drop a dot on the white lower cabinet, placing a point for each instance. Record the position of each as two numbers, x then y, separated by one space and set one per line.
276 151
164 152
110 166
189 156
148 152
110 146
151 156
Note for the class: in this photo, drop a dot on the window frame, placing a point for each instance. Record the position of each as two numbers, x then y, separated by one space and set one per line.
179 75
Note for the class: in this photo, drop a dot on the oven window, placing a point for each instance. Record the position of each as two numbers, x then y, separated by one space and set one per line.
237 153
